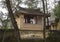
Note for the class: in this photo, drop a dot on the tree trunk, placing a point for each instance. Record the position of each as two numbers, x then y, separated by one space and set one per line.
47 13
44 40
13 20
3 36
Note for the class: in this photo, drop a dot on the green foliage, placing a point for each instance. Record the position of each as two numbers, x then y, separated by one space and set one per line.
54 36
57 10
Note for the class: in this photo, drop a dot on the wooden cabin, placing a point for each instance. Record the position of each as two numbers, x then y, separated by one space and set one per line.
30 20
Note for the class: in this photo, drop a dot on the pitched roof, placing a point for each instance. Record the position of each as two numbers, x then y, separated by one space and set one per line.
31 11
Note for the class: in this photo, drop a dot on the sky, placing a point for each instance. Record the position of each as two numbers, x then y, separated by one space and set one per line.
51 6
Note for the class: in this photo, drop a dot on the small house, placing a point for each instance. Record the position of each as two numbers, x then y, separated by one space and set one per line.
30 20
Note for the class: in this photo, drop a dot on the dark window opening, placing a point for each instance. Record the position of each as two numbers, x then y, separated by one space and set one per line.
28 19
31 19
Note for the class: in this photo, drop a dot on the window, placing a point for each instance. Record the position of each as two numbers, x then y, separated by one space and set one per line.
29 19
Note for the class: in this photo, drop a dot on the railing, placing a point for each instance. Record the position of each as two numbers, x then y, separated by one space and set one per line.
31 27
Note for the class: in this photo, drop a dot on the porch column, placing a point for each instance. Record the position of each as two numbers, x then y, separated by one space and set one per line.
42 22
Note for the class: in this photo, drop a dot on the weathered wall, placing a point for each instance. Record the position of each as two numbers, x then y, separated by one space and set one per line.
33 34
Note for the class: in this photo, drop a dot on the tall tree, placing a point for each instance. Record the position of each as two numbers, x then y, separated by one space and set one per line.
44 26
8 4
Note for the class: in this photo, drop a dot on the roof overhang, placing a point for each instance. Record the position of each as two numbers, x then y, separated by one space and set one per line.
32 12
